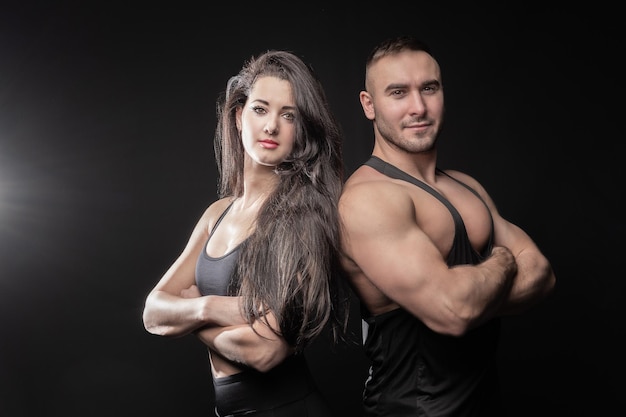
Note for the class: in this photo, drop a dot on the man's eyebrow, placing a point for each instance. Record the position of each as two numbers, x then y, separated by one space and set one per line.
395 86
433 82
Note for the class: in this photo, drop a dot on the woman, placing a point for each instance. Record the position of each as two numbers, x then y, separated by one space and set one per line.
260 277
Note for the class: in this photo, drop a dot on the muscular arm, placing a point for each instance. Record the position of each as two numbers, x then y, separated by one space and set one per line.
175 308
535 278
398 263
256 346
166 313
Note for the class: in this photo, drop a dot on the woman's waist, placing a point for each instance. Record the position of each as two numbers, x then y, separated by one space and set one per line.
250 389
222 368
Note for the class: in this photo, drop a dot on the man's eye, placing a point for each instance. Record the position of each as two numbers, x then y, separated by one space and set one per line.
430 89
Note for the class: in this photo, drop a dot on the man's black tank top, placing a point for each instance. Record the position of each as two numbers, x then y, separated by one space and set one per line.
417 372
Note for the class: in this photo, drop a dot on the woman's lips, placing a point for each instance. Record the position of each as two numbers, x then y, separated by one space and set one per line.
268 143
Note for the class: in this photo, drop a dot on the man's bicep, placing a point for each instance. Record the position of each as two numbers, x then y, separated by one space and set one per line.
403 265
512 237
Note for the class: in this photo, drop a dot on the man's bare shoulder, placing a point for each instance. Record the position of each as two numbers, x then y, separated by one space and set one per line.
468 180
463 177
366 181
367 192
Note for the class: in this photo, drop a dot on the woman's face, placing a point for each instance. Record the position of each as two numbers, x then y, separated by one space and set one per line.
267 121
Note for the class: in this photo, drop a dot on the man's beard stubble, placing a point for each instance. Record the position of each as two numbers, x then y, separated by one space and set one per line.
416 144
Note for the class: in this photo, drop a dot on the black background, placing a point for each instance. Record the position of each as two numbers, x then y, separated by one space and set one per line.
106 119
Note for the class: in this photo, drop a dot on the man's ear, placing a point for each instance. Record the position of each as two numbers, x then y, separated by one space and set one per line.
366 103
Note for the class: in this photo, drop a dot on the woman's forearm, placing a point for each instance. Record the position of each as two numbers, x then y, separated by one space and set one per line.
256 346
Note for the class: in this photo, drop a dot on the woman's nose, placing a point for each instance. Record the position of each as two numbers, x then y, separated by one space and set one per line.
270 128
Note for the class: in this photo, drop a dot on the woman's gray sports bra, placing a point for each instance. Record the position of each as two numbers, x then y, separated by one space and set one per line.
213 275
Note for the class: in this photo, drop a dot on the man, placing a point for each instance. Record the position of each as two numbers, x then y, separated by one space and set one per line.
431 259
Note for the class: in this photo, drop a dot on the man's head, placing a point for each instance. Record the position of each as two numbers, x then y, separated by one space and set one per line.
404 94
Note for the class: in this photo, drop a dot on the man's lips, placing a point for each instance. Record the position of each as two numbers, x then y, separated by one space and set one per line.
418 126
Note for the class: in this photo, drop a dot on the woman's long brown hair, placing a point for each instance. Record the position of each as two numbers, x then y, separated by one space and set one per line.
290 264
